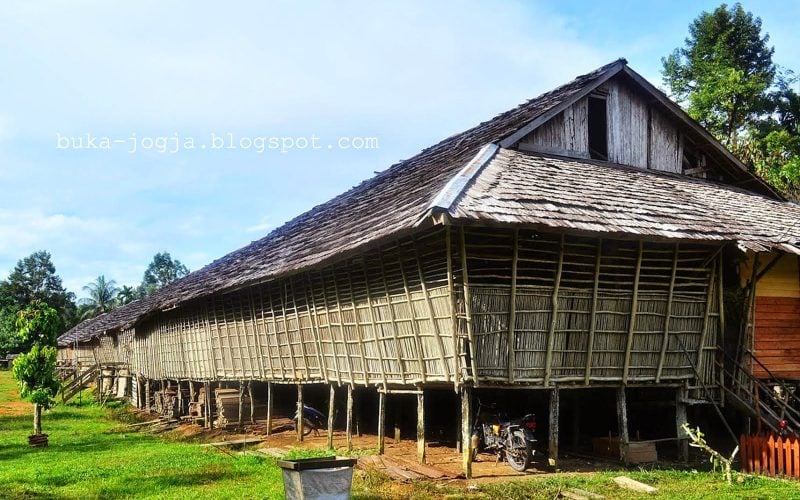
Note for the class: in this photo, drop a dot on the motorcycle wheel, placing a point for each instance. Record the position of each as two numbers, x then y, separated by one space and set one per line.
518 453
308 427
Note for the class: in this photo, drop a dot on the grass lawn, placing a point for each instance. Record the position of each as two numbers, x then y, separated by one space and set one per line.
92 456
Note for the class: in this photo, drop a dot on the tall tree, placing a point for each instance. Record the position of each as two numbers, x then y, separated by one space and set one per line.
33 278
126 295
102 297
162 270
724 72
35 371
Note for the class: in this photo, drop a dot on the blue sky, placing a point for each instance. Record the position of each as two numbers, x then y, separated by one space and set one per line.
406 73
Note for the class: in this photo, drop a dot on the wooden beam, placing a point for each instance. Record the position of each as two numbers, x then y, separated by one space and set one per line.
270 403
381 422
414 325
552 431
512 310
349 424
706 320
300 412
431 313
274 322
331 410
241 403
312 315
374 324
466 431
468 311
262 334
252 402
421 428
593 314
551 334
390 308
680 419
634 312
453 316
290 290
622 424
668 315
359 338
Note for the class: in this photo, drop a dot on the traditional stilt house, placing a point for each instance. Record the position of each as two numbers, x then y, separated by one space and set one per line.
577 244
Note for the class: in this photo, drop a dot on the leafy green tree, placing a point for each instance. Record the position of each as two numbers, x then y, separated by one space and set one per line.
33 278
162 270
102 297
126 295
724 72
35 371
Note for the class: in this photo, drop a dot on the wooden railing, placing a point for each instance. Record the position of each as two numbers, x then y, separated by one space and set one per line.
771 455
75 380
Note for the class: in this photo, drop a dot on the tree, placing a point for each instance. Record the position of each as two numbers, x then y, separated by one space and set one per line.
102 297
126 295
33 278
162 270
35 371
725 77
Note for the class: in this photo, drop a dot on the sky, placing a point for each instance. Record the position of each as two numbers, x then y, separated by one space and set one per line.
197 127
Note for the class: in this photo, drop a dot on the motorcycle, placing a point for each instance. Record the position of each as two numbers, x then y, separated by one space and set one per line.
313 420
510 439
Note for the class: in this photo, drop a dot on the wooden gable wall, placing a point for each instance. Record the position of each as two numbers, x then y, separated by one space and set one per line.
777 320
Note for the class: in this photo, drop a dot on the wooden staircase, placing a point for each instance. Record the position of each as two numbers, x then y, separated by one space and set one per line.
74 381
768 401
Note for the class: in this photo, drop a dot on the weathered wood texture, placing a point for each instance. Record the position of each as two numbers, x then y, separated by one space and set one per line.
776 339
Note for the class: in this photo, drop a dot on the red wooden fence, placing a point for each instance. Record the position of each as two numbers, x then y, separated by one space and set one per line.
770 455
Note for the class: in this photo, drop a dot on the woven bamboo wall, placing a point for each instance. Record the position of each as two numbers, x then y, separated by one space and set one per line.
595 333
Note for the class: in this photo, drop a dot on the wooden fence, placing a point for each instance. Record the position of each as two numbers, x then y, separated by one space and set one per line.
770 455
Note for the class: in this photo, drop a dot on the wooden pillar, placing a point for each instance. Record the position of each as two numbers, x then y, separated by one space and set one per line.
680 419
622 423
397 409
147 395
191 392
466 431
552 429
349 424
381 421
421 427
269 408
210 396
241 404
300 412
331 409
180 399
252 402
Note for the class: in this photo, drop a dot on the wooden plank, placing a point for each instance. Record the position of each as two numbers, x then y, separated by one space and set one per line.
548 363
634 312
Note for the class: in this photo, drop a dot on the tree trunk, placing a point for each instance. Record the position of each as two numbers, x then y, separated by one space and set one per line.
37 419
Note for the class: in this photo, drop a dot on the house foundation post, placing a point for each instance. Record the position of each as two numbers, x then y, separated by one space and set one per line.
331 409
269 408
349 424
680 419
381 421
421 427
622 423
466 431
299 424
552 430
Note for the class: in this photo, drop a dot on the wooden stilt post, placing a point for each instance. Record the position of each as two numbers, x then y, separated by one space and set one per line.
180 399
381 421
191 392
466 431
331 409
421 427
147 395
349 424
680 419
269 408
210 397
552 433
241 404
300 412
397 409
252 402
622 423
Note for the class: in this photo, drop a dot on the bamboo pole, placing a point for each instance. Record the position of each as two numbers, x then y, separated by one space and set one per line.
721 295
453 318
312 314
381 422
414 325
593 314
339 324
258 335
269 407
349 423
668 315
468 314
431 313
331 409
300 413
421 427
290 285
700 362
634 311
374 324
283 299
213 360
466 431
551 334
359 337
512 310
274 323
390 308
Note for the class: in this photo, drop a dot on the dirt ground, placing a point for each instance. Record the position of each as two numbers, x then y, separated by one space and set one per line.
13 406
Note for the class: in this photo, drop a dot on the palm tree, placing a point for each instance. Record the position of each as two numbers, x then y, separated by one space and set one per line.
102 295
126 295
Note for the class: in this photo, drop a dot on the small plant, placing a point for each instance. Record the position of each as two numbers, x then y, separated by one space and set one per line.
716 459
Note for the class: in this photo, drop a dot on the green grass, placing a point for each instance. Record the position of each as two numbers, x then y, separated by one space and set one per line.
91 455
